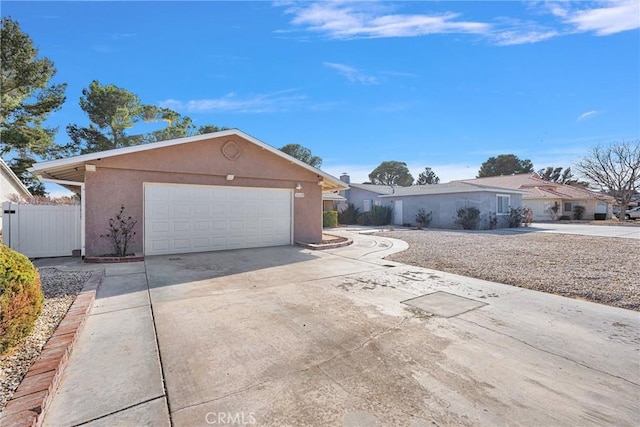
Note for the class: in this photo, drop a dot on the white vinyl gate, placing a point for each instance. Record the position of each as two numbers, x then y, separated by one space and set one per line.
39 231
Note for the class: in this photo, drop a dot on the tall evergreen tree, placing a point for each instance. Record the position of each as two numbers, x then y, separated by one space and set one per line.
26 99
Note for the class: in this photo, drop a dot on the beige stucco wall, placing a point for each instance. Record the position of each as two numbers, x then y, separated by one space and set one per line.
119 181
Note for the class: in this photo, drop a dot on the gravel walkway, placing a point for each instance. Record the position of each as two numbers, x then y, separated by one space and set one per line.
60 289
598 269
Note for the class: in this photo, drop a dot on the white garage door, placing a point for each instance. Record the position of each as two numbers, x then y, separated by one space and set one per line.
198 218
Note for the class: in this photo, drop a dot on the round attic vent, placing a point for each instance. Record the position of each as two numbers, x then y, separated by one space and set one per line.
231 150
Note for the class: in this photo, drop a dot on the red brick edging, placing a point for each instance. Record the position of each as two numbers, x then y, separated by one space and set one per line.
34 394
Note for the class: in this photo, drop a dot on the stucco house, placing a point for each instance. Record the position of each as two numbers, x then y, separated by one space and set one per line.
223 190
10 184
442 200
541 196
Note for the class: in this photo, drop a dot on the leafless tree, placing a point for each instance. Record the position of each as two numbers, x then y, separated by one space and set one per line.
614 169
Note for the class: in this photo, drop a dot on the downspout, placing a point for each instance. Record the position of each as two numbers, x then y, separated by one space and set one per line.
82 205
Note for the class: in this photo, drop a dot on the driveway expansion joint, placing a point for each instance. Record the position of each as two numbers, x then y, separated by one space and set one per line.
120 309
119 410
157 342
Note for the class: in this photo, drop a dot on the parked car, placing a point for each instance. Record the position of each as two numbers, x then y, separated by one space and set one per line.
632 213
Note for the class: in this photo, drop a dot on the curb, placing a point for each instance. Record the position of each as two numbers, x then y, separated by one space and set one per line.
32 397
320 246
112 259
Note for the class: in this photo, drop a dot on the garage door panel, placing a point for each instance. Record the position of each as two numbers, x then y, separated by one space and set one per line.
183 218
201 226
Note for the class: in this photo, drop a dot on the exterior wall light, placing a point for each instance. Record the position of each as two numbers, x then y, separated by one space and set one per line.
298 186
230 177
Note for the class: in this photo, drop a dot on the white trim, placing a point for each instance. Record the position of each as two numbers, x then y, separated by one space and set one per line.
40 168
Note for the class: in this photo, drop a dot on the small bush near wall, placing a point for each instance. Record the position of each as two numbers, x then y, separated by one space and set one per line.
519 216
20 297
423 219
378 215
330 219
364 218
468 218
516 216
578 212
349 215
120 234
564 218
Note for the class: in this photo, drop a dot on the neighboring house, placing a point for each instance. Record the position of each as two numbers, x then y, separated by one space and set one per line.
444 201
542 196
223 190
331 200
362 196
10 184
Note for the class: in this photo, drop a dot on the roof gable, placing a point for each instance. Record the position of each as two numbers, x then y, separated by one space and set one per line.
73 168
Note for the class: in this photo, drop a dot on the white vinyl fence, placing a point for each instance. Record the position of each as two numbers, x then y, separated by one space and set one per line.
41 230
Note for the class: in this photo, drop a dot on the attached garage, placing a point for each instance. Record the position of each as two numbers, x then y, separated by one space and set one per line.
199 218
218 191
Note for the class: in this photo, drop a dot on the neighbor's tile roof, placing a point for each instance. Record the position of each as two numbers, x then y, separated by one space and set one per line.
537 188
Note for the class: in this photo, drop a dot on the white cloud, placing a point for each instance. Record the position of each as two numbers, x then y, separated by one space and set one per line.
349 20
261 103
343 20
587 115
613 17
352 74
515 37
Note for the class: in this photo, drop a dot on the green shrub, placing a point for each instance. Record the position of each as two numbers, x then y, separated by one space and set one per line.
364 218
516 217
423 219
349 215
380 215
330 219
578 212
564 218
20 297
468 218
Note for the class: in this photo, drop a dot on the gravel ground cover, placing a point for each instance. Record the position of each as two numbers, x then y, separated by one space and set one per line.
60 289
598 269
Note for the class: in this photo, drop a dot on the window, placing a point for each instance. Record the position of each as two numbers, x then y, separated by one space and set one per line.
567 207
503 205
366 205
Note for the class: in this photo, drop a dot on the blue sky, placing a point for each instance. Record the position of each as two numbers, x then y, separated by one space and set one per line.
441 84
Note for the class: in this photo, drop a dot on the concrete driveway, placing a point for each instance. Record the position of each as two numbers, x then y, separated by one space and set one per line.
623 231
288 336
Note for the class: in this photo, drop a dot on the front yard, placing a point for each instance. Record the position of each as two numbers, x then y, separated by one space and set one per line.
598 269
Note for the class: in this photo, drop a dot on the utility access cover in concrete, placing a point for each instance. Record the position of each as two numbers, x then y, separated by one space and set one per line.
444 304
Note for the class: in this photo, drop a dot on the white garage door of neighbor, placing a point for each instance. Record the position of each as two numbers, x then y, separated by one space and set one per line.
199 218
